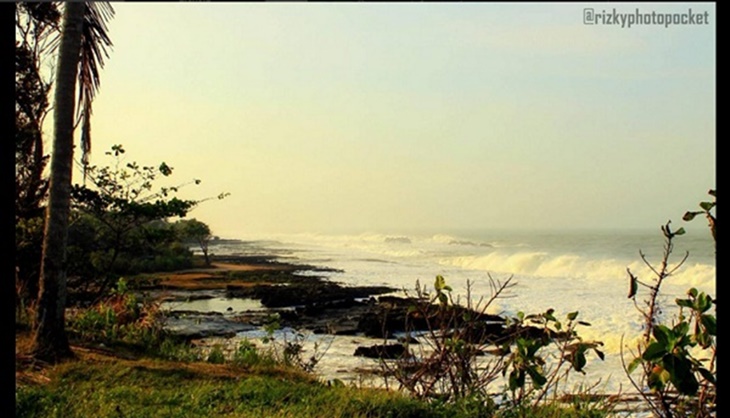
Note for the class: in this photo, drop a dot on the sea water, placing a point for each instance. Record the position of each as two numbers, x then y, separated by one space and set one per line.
584 271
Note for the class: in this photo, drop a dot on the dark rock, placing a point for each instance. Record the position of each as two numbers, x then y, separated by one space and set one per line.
306 294
387 352
193 326
395 314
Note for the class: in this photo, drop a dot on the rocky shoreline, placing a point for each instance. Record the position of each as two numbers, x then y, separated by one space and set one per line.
303 300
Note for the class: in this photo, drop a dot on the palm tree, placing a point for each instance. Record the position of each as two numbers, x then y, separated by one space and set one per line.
83 41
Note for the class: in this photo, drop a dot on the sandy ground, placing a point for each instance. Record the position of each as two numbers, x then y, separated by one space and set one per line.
213 277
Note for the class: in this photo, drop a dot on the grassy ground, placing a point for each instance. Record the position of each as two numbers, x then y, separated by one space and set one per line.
102 383
122 380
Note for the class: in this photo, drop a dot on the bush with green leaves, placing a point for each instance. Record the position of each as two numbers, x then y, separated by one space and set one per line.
677 360
120 223
120 317
121 218
462 357
528 358
192 230
123 319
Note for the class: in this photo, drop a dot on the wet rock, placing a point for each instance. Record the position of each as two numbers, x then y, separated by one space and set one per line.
383 351
311 294
394 314
195 326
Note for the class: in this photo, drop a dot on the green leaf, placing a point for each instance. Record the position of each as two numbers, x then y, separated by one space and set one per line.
688 216
662 334
681 376
588 324
712 192
707 375
117 149
633 285
440 283
704 302
680 329
656 380
516 379
707 206
579 361
654 352
600 354
532 347
538 380
703 339
684 341
443 298
680 231
549 314
710 323
684 302
165 169
572 315
634 364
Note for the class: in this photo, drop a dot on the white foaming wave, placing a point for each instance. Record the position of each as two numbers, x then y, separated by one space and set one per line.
444 238
381 247
402 253
436 250
519 263
701 276
542 264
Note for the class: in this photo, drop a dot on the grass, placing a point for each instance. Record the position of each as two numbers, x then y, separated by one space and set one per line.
101 383
108 387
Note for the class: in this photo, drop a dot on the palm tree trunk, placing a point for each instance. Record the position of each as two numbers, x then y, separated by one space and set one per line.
50 342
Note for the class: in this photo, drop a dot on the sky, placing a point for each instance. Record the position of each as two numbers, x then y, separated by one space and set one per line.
381 117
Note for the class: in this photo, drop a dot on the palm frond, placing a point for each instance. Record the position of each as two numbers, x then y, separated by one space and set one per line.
94 43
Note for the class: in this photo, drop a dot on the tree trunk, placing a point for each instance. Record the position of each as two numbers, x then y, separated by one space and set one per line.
50 342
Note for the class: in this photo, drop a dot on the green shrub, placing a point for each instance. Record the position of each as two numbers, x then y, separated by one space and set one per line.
216 355
677 360
246 355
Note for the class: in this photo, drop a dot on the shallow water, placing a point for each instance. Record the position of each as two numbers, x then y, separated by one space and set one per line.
574 271
216 304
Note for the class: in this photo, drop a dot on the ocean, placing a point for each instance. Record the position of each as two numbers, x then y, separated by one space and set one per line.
584 271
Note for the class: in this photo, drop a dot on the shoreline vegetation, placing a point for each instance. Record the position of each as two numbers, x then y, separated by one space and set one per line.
116 378
439 358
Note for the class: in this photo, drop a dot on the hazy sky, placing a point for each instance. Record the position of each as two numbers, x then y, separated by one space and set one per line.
386 117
